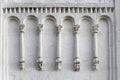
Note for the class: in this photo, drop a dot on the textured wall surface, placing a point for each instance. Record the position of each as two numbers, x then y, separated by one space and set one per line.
108 39
60 1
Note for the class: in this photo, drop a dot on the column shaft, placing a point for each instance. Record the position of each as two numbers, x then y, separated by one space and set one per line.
59 54
76 65
22 47
95 60
77 45
40 54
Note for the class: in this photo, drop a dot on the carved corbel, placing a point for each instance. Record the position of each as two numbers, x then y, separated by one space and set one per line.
40 27
59 28
58 59
76 29
39 59
76 65
22 51
95 60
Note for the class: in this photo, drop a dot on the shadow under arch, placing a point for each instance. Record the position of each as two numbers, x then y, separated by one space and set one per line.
50 17
31 17
86 18
49 43
68 18
68 43
108 44
12 24
12 18
105 17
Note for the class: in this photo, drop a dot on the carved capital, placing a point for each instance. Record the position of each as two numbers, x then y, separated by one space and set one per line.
39 64
58 64
22 65
95 63
39 27
95 28
21 28
59 27
76 64
76 28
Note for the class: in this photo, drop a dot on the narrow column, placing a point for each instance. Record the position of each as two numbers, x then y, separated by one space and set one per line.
40 56
95 60
58 57
76 65
22 51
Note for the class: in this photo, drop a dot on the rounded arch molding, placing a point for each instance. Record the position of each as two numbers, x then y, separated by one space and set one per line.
111 43
49 17
67 18
89 18
12 18
105 17
31 17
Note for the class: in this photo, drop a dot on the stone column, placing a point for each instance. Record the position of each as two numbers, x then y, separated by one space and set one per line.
76 65
58 57
95 60
40 55
22 49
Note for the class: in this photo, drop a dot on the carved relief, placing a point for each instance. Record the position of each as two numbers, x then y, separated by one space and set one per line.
95 63
76 65
58 64
39 64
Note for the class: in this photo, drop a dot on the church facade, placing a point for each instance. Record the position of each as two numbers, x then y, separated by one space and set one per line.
59 40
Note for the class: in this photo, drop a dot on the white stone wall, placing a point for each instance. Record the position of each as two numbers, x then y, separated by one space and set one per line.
108 39
60 1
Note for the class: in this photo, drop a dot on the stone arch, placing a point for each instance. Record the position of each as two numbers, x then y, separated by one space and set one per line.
12 24
12 18
105 42
49 17
68 18
86 41
31 39
49 41
31 17
86 18
109 20
68 41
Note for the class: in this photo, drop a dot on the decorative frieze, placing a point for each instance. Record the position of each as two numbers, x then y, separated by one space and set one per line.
58 10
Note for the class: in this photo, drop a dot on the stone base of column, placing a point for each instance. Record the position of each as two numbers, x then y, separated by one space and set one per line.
58 64
39 64
22 64
95 64
76 65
